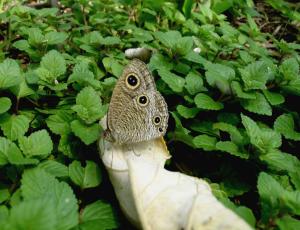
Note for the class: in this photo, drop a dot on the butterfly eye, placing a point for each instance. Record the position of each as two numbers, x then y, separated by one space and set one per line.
143 100
132 81
157 120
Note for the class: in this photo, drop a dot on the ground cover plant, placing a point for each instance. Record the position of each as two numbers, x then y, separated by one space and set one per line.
233 104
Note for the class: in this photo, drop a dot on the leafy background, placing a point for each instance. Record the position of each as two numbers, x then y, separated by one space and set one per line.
234 118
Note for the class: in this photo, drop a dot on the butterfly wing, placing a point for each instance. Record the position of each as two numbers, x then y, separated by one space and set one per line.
137 112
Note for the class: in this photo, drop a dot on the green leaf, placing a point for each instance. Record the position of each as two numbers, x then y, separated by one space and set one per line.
288 223
35 36
65 146
36 214
9 152
255 75
205 142
168 39
54 168
289 69
87 177
22 90
15 126
187 112
36 184
109 41
53 38
274 98
4 195
175 82
88 105
38 143
194 83
4 214
187 7
82 75
184 45
22 45
55 63
112 66
59 123
241 211
232 148
10 74
5 104
88 134
159 61
235 134
259 105
181 134
237 89
275 198
203 101
281 161
269 191
293 87
263 138
98 215
220 76
284 124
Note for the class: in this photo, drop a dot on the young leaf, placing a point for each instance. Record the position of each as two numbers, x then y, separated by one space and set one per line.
88 134
35 36
203 101
55 63
5 104
88 105
255 75
15 126
262 138
290 69
38 143
10 74
87 177
284 124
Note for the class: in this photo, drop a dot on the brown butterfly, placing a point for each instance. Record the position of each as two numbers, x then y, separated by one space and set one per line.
137 111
